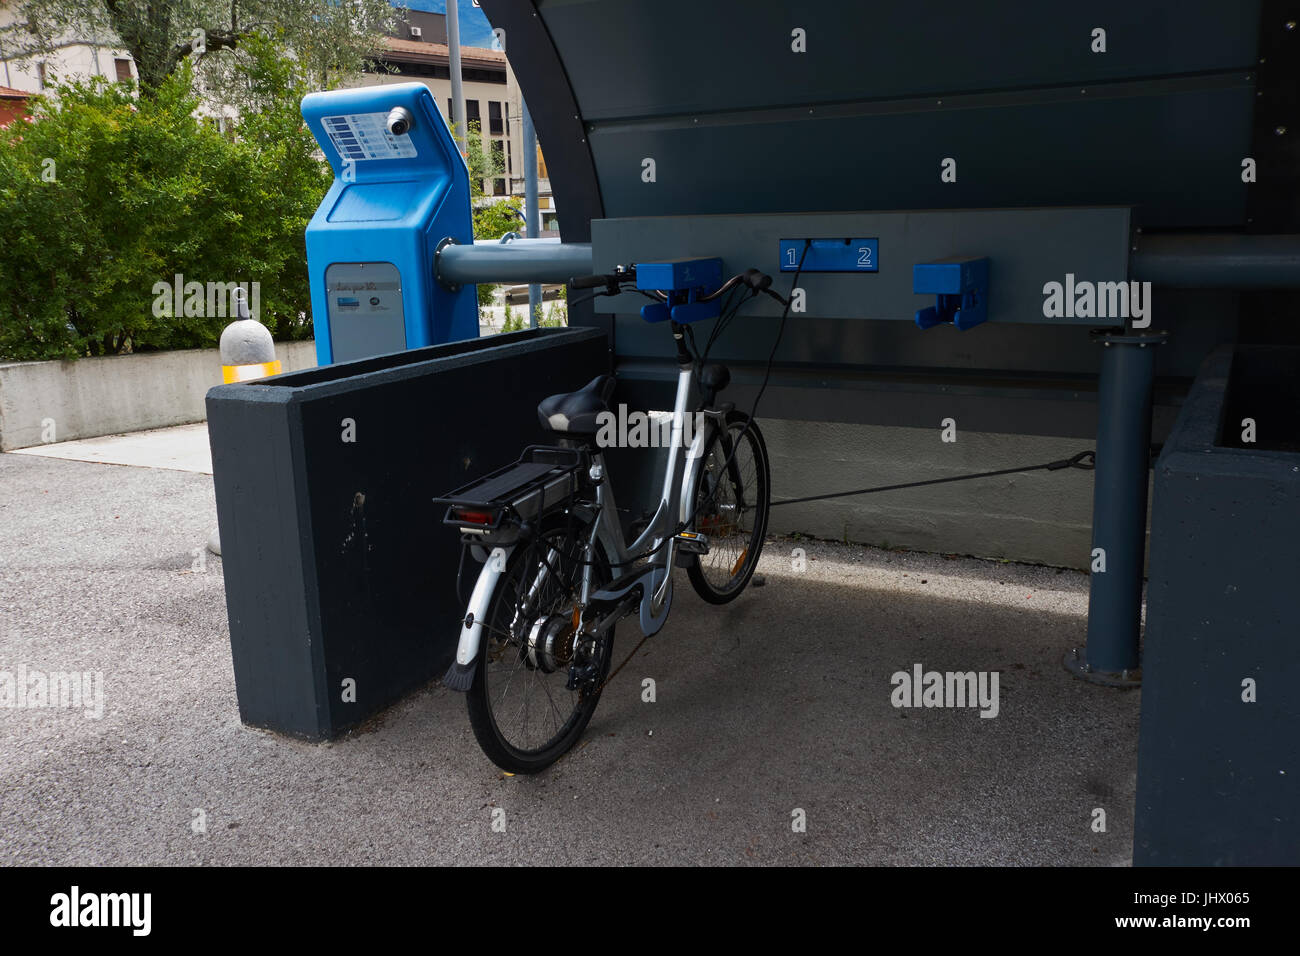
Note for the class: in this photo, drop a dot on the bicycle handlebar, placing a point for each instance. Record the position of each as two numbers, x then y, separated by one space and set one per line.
756 281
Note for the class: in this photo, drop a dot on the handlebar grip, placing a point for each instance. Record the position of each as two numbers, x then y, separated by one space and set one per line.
588 282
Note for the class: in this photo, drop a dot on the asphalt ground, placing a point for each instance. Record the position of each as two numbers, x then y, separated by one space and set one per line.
773 710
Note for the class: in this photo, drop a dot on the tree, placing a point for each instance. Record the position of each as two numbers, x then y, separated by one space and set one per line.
328 38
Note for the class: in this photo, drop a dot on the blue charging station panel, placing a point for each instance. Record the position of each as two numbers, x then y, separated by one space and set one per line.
371 243
830 255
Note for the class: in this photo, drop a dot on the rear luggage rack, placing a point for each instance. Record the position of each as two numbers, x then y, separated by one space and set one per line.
543 477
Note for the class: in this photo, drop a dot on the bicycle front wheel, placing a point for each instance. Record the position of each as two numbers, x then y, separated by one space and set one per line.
731 499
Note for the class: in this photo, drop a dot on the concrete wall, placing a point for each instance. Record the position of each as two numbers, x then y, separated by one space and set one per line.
42 402
1043 517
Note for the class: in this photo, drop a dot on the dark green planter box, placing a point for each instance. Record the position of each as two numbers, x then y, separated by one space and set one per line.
1218 778
337 565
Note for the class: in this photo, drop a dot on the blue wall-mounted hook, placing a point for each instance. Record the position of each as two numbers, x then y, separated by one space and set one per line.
962 287
685 281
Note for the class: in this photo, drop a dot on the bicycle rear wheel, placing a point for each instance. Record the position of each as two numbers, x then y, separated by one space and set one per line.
731 498
522 707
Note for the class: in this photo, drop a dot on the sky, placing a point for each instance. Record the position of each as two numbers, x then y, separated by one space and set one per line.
474 27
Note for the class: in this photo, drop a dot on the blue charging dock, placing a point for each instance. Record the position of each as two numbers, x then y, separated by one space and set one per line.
962 288
371 243
685 280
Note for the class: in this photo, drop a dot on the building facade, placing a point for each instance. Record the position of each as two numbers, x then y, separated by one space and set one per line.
79 55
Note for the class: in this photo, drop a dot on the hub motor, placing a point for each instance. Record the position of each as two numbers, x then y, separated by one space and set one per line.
550 643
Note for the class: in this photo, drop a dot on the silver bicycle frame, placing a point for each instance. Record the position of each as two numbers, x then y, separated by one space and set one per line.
674 506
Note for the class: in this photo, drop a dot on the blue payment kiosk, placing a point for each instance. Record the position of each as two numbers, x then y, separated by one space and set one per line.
400 188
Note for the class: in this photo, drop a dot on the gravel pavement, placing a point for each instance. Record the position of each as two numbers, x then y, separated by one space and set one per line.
771 710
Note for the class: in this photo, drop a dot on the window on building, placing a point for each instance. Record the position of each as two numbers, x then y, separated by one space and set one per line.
498 187
471 75
123 68
499 153
541 165
434 70
495 126
471 112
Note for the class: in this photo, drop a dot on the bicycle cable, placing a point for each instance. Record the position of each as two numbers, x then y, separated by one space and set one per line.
785 312
753 409
1085 460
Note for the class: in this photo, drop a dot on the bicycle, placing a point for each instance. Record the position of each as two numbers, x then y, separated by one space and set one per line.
558 574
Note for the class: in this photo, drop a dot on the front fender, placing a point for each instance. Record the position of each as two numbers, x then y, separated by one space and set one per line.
694 462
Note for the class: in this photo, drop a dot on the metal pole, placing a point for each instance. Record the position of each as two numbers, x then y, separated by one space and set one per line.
457 89
1218 261
519 260
1119 511
532 215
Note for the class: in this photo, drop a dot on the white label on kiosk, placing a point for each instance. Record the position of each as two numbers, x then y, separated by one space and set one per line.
364 288
363 136
364 309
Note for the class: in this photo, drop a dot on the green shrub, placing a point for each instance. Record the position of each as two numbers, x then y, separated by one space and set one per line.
492 220
513 323
106 194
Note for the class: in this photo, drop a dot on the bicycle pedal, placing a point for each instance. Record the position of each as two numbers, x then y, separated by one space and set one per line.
692 542
581 677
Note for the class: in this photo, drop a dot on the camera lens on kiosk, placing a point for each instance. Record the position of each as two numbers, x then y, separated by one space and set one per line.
399 121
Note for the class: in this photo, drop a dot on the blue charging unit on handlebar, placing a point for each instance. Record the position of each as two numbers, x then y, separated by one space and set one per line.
685 281
400 189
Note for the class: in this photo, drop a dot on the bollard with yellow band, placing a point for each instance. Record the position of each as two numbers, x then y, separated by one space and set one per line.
247 349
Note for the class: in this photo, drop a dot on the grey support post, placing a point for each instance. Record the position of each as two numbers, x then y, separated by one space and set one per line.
1119 511
533 216
457 87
